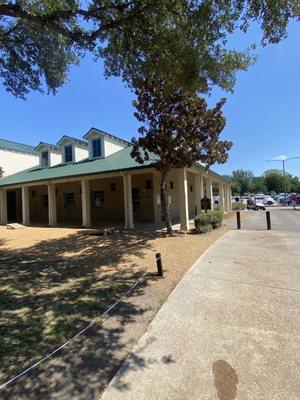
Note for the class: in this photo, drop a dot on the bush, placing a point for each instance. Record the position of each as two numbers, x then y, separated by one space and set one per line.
204 228
205 222
238 205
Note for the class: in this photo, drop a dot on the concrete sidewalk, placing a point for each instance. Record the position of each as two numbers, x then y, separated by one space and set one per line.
228 331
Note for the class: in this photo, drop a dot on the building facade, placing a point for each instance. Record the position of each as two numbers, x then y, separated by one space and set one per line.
96 182
15 157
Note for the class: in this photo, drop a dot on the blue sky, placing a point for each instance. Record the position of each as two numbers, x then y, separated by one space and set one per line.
262 114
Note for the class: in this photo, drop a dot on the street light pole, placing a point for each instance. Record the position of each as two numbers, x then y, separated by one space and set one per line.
283 160
284 179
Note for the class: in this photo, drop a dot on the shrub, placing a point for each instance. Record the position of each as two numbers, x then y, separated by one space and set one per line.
238 205
204 228
205 222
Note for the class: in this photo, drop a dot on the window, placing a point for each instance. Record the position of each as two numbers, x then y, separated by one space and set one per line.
69 200
149 184
45 159
98 198
171 185
33 193
136 205
113 187
68 153
44 201
96 145
191 188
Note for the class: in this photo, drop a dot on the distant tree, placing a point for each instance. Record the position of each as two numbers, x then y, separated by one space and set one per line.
183 42
295 184
243 180
274 181
179 129
259 185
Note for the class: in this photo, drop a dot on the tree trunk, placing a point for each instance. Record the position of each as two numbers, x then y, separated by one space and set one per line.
165 203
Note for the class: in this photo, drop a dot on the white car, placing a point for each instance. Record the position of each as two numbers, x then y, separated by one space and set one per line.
266 200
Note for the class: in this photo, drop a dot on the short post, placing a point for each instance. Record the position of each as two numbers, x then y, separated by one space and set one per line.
159 265
268 216
238 220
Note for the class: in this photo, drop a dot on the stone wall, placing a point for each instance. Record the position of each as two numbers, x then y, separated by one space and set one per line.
144 184
112 209
38 214
68 215
173 192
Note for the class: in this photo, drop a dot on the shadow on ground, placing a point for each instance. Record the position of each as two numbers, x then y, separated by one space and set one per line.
52 290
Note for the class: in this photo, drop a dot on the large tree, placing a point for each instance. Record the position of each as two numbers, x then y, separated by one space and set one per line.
183 42
179 129
243 180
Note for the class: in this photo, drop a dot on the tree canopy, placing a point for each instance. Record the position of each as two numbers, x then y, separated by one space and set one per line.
183 42
271 181
179 129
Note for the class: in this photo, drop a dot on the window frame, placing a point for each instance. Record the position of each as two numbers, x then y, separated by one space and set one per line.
68 146
45 158
101 204
67 203
98 140
43 197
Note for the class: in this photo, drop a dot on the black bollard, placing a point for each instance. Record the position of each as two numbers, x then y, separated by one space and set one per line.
238 220
159 265
268 216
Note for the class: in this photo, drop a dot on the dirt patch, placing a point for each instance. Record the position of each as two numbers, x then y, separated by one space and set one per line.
55 281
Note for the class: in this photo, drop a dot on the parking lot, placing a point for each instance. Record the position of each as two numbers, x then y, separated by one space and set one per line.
282 219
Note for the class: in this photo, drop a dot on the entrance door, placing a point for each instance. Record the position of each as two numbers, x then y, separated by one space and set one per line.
11 206
136 202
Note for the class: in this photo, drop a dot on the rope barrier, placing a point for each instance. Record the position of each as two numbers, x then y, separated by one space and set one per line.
75 336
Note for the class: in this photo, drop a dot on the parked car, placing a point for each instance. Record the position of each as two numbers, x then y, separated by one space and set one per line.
265 200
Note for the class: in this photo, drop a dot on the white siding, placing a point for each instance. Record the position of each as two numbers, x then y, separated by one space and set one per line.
80 153
12 162
111 146
55 158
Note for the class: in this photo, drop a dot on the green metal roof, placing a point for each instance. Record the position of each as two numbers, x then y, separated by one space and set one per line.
72 139
15 146
118 161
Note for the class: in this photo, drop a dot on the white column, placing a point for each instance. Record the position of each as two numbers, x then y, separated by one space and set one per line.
183 200
227 204
230 195
156 197
3 206
199 192
25 205
209 192
125 201
52 205
86 203
221 197
128 201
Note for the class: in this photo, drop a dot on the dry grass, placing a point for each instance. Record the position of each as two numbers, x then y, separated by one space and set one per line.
53 282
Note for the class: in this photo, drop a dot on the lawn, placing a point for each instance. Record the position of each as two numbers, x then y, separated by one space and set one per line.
53 282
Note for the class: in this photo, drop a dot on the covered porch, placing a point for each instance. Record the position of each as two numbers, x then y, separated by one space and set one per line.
126 199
